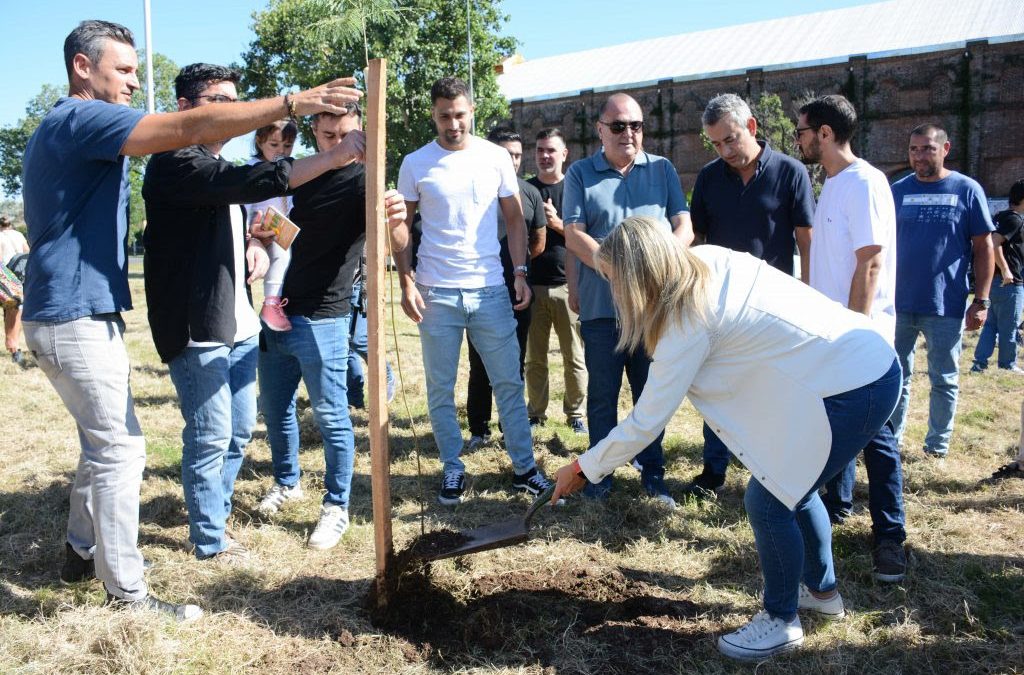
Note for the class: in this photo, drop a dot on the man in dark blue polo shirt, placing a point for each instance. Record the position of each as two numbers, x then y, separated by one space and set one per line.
750 199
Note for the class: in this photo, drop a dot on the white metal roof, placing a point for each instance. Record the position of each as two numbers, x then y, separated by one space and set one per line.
875 30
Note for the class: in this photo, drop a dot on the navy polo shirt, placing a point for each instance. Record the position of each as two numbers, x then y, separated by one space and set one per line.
757 218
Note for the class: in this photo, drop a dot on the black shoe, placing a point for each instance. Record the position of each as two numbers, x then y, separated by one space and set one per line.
452 486
151 604
536 422
533 482
1011 470
76 568
890 561
706 485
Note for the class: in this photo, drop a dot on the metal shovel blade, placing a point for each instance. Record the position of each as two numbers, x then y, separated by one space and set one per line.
497 535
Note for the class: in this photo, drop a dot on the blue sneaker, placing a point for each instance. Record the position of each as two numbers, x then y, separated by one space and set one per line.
599 491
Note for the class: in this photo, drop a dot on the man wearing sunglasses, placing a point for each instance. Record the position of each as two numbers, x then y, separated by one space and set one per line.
618 181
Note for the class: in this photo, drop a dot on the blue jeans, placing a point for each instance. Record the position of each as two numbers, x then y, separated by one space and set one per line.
716 455
217 392
605 366
315 351
1003 317
486 315
885 487
359 353
943 336
478 390
797 545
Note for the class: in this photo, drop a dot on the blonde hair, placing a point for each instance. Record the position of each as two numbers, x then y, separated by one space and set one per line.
654 278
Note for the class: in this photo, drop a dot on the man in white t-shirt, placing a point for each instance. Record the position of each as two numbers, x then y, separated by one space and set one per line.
853 261
458 182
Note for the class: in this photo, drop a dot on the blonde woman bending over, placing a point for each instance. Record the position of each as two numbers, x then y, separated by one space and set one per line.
793 383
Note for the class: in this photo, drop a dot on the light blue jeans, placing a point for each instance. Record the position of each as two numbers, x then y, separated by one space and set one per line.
486 315
86 362
316 352
1003 317
944 338
217 392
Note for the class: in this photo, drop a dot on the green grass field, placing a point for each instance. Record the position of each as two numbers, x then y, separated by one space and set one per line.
626 587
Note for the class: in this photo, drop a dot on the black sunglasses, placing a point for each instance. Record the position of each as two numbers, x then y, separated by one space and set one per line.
617 127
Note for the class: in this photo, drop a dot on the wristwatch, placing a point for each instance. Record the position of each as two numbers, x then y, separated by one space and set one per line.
519 270
984 302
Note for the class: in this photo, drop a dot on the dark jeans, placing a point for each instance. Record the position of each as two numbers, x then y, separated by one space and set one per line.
478 396
885 487
605 366
716 455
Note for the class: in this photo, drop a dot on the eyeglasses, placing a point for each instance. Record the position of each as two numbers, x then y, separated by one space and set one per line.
617 127
216 98
800 130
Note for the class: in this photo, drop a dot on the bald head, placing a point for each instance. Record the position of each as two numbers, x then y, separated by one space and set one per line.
620 128
620 101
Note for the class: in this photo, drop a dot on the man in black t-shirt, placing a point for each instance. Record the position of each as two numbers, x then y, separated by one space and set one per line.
330 212
551 296
478 396
1007 291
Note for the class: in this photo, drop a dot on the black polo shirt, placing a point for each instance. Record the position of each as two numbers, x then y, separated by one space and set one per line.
759 217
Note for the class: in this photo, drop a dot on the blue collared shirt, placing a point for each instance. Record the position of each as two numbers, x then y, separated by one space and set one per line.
599 197
757 218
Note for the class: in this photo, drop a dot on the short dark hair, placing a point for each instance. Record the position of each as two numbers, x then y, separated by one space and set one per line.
504 135
1017 192
450 88
835 111
195 77
350 108
941 137
5 222
88 39
550 132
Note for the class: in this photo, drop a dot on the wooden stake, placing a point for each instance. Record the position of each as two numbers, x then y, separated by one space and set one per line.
376 253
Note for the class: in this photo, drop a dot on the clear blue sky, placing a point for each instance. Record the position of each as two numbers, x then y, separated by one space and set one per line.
218 31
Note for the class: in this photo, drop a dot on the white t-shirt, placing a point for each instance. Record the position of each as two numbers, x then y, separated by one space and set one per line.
12 243
855 210
247 324
458 195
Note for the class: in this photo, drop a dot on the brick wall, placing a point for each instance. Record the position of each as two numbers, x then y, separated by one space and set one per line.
977 94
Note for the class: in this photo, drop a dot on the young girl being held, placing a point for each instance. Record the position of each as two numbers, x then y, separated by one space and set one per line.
273 141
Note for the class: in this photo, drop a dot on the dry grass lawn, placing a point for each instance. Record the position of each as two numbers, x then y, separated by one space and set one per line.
626 587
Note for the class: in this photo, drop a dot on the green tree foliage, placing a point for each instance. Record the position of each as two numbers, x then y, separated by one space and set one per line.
303 43
14 137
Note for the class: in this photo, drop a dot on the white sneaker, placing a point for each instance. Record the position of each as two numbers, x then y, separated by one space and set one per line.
277 496
761 638
332 524
831 608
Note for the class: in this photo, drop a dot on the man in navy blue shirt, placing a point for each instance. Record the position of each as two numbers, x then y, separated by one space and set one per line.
752 199
76 201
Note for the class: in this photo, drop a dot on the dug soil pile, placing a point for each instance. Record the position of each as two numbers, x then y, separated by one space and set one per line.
590 611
